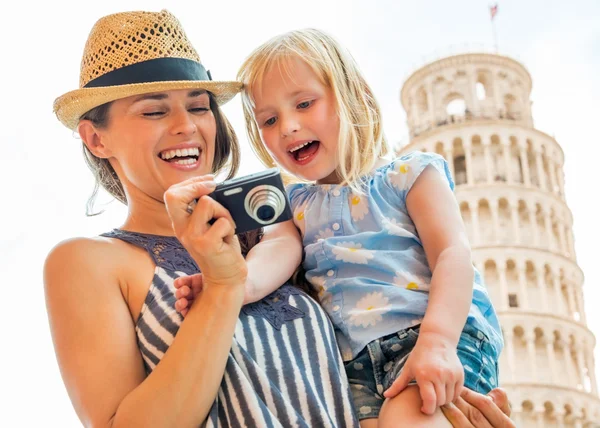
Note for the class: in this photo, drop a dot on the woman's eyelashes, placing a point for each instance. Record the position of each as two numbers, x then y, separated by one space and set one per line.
162 112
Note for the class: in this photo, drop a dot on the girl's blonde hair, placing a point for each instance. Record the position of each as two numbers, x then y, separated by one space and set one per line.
361 140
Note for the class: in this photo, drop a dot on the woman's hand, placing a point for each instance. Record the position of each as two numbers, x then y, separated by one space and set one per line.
214 247
474 410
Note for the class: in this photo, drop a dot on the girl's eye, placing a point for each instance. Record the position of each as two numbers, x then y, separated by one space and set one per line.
199 109
270 121
154 113
304 104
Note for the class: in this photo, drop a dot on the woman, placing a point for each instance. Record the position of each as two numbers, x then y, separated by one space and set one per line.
148 115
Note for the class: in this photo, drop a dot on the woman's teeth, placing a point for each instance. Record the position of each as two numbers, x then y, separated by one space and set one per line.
186 161
169 154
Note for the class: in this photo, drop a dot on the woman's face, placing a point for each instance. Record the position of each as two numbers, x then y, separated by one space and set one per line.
156 140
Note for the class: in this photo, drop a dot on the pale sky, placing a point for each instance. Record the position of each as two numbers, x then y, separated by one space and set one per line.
47 183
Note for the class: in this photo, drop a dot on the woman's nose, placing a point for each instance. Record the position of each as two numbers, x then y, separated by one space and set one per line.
183 123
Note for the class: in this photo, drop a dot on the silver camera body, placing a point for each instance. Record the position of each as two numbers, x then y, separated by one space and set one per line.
255 200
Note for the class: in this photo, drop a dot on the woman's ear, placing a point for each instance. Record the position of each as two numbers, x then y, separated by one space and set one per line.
93 139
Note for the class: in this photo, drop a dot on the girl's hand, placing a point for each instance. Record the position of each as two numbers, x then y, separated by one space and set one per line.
188 287
215 248
434 364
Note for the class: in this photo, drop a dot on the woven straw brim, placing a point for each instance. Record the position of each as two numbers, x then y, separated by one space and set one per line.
71 106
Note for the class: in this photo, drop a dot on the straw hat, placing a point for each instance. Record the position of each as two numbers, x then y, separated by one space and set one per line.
134 53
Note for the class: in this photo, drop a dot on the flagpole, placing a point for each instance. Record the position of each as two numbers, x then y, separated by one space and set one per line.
493 12
495 35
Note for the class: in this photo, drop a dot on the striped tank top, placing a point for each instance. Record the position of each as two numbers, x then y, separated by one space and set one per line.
284 368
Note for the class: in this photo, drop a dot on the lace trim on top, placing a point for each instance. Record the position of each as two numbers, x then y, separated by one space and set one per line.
168 253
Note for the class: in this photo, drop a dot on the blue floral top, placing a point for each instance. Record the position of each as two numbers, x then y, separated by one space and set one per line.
365 258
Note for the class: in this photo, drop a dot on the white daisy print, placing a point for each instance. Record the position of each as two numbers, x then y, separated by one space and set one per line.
394 227
317 280
411 281
351 252
326 300
397 174
324 234
359 206
369 310
299 217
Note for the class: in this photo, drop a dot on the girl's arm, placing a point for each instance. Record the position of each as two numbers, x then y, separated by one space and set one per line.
97 351
436 215
273 260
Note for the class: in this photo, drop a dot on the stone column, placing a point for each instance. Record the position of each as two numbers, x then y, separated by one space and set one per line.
449 153
525 165
489 166
530 341
510 352
507 163
495 220
474 209
539 273
572 302
514 213
468 162
522 285
562 238
579 350
579 296
551 359
534 226
557 293
589 356
503 284
540 169
561 182
548 227
552 173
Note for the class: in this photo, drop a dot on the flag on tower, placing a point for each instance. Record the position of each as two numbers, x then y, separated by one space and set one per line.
493 11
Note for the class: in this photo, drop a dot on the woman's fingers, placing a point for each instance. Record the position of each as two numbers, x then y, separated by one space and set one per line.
484 405
178 198
208 209
457 418
501 399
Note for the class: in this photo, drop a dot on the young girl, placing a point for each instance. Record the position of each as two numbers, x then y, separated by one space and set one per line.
385 246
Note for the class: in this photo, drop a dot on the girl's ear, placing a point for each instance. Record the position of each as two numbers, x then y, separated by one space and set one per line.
92 138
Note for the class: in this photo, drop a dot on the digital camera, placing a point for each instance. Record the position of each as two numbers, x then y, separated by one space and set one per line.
255 200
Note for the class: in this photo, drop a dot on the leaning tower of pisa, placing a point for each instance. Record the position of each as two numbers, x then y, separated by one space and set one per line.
474 110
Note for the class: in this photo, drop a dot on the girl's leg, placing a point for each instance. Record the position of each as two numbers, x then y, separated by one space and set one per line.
404 410
368 423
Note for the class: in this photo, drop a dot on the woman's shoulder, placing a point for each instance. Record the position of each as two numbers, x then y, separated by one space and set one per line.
84 258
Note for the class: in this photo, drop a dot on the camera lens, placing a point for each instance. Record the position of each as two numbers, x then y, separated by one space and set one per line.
265 203
265 212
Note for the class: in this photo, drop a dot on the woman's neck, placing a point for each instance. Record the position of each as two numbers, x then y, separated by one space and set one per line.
148 216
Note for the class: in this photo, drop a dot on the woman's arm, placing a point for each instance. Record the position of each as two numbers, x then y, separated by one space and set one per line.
278 253
96 345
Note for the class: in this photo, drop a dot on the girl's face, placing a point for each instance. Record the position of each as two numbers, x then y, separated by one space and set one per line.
298 121
156 140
